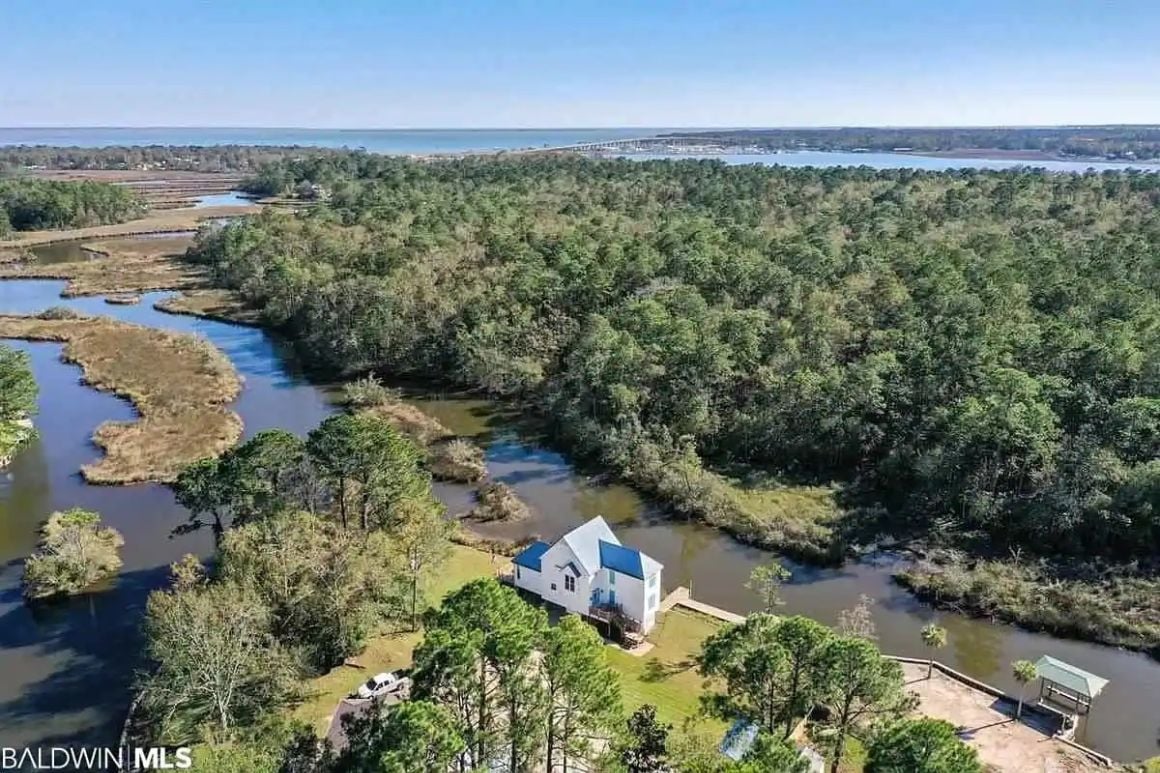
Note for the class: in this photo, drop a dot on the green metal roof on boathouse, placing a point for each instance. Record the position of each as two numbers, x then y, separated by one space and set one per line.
1066 675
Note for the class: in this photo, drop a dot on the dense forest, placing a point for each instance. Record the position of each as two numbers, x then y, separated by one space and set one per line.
197 158
976 354
28 204
1109 142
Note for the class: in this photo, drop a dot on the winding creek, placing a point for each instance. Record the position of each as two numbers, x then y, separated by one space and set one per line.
65 672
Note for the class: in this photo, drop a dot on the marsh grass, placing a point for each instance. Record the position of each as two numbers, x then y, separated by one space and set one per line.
449 457
1117 605
457 460
221 305
423 429
797 520
498 502
126 266
179 384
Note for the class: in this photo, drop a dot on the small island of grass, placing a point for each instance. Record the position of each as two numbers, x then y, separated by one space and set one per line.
75 552
449 458
179 384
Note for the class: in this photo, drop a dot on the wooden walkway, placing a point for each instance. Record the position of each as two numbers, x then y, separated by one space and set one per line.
680 598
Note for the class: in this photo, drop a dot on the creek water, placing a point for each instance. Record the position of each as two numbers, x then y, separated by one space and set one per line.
231 199
65 671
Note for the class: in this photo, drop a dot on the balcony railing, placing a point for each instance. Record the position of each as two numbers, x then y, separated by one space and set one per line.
614 614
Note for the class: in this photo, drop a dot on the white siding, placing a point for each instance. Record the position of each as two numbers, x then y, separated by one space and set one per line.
528 579
637 598
552 568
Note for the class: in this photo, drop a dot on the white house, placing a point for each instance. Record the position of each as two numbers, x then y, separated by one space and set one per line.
587 570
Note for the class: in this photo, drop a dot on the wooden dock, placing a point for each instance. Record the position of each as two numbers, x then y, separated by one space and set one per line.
680 597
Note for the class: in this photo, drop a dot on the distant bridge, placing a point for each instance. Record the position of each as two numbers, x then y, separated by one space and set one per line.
631 143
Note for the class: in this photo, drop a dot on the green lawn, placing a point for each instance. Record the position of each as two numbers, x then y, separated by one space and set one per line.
391 651
666 676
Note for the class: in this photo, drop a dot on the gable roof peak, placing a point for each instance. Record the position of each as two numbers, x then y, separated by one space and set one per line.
585 541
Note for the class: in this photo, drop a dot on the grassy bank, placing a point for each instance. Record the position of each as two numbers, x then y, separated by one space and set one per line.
448 457
666 676
795 520
178 383
220 305
127 266
1112 605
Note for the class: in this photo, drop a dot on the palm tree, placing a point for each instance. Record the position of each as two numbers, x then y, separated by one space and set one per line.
1024 671
934 637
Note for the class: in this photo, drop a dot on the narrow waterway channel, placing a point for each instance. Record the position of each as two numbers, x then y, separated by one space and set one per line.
65 672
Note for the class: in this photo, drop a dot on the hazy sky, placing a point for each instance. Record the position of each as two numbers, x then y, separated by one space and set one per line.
542 63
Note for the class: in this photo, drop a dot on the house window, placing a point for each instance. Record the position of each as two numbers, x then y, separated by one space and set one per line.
517 573
652 581
553 586
569 583
652 602
611 577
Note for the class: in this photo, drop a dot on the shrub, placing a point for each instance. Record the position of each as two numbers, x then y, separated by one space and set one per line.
75 552
366 392
499 502
59 312
459 460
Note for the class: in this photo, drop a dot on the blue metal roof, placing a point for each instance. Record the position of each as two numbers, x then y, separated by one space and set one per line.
620 559
529 557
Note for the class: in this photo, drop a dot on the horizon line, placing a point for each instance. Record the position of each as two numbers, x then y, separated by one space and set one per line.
785 127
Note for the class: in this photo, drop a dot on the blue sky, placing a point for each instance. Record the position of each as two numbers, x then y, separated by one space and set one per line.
470 63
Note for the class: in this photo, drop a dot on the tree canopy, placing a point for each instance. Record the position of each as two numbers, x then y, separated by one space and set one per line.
75 551
974 353
17 386
921 746
29 204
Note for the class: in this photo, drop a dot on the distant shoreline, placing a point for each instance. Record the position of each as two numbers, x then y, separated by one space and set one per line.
1001 154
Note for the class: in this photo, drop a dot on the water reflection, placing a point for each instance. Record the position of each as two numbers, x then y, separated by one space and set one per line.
716 569
65 670
89 641
977 648
231 199
63 252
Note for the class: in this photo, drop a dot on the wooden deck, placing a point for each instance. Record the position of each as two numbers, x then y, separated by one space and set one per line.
680 597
